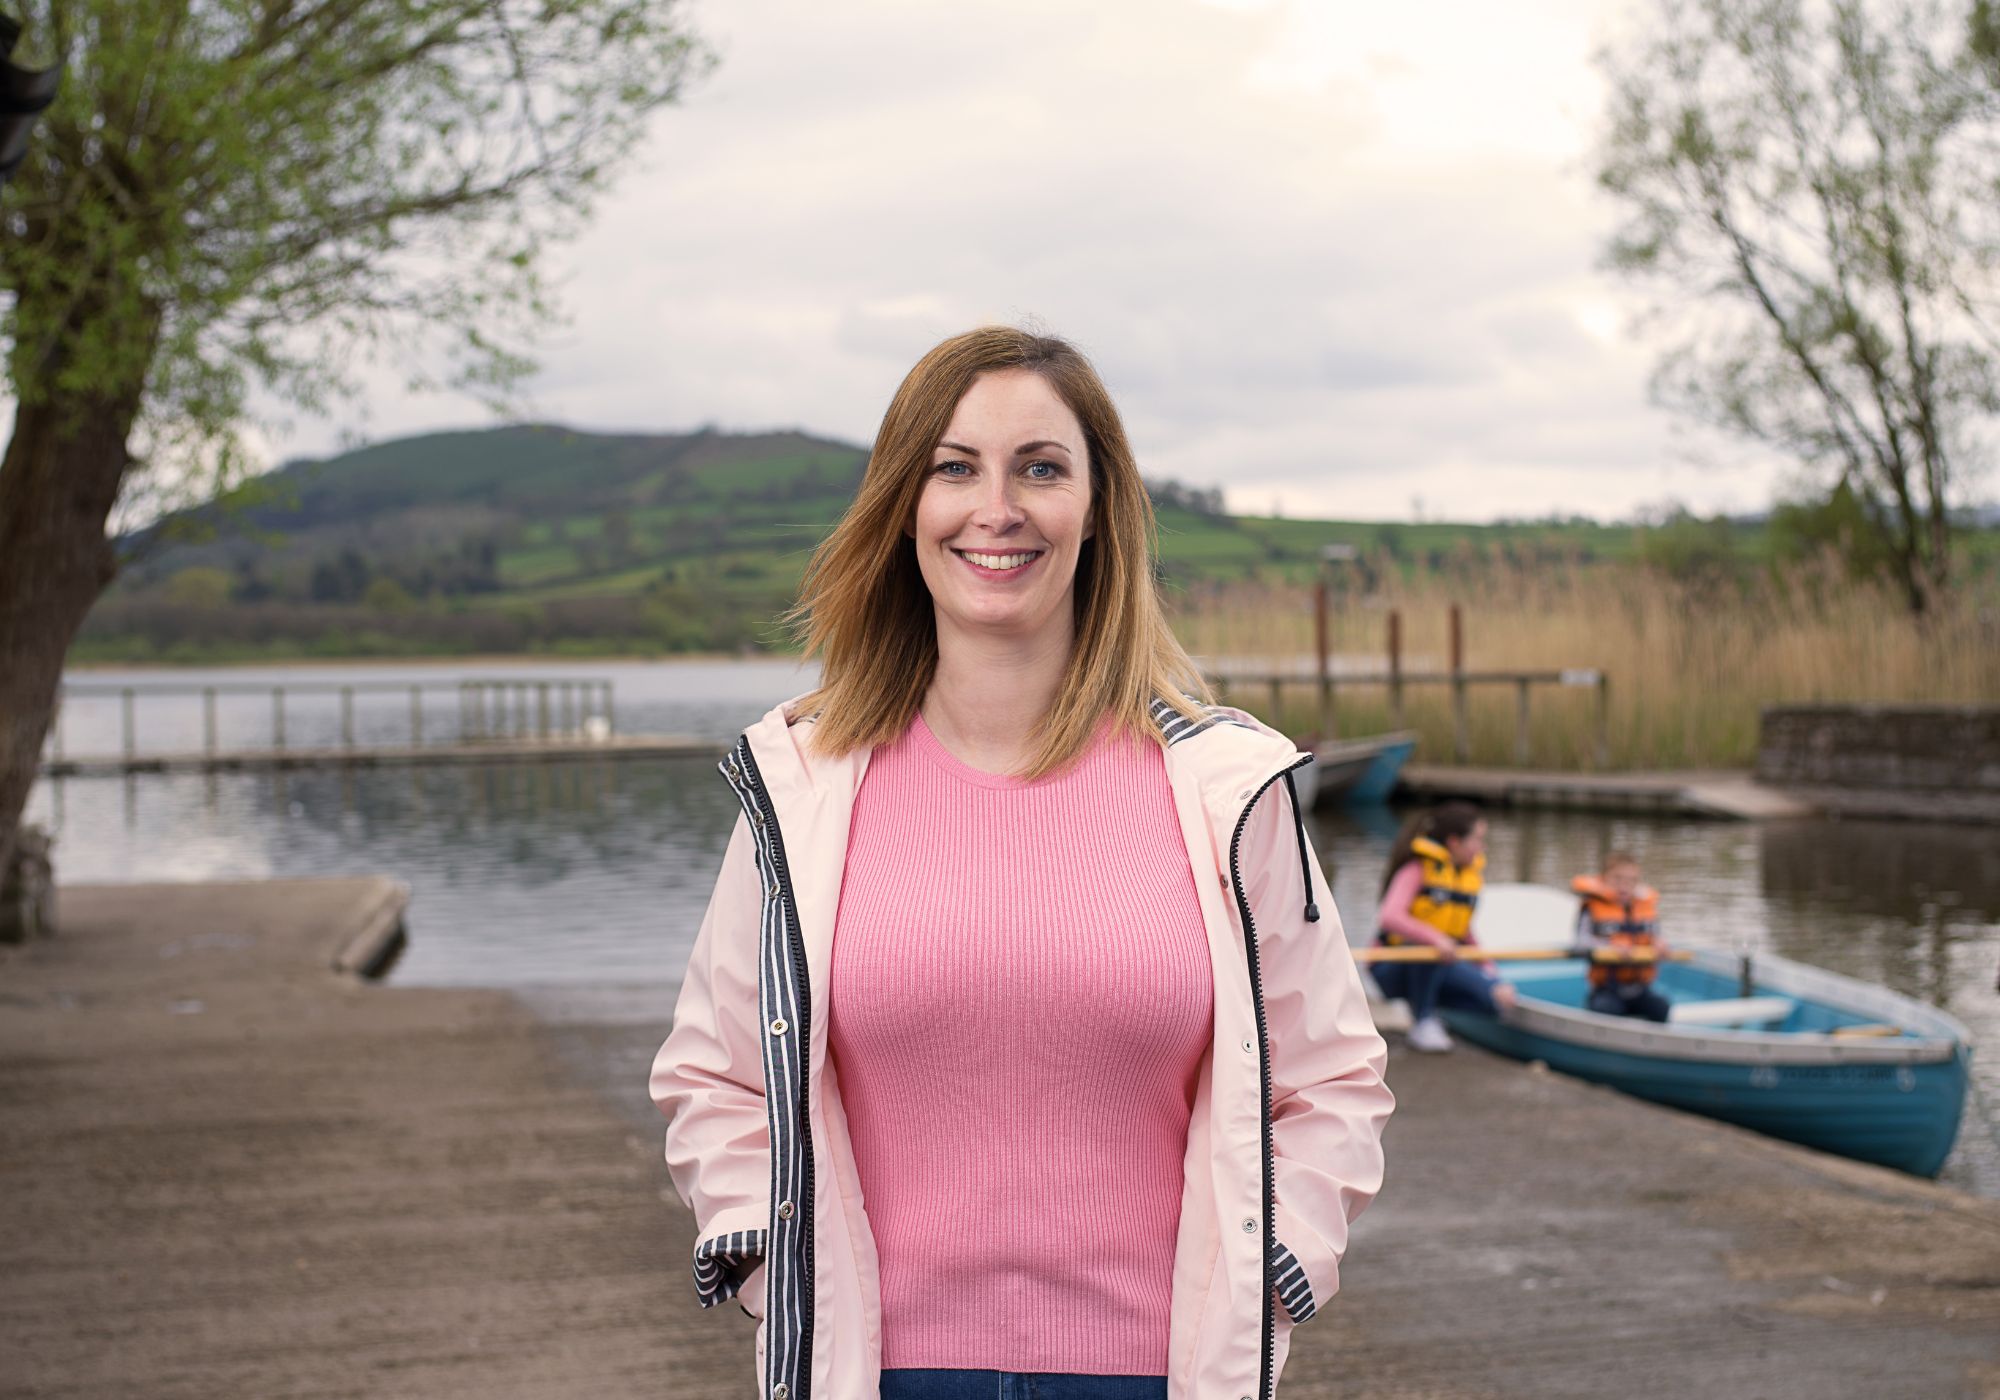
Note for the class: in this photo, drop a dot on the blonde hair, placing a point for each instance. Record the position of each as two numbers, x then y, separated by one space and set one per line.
864 610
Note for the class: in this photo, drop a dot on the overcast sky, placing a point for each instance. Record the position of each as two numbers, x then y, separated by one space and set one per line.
1337 258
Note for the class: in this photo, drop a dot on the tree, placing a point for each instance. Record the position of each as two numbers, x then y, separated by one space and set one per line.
1807 182
232 195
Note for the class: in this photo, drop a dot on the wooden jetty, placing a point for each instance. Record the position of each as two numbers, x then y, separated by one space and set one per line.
499 719
1720 793
1328 681
530 750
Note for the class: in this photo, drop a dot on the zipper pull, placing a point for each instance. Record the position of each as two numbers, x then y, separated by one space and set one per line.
1305 862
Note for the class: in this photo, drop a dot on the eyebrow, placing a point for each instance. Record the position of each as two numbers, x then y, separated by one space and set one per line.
1024 448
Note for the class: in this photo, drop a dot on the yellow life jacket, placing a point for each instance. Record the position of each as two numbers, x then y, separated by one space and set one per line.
1449 891
1618 922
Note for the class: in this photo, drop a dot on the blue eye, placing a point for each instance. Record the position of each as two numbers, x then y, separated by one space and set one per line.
950 468
1044 471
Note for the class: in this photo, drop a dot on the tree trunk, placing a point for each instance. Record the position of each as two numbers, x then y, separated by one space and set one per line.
58 483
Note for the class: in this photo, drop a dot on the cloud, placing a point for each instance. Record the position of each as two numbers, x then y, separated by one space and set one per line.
1340 255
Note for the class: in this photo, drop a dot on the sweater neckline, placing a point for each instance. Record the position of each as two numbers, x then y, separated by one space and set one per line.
932 749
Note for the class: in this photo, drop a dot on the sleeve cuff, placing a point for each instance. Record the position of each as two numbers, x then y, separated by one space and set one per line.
723 1262
1294 1289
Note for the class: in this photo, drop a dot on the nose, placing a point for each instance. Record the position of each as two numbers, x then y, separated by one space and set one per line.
999 508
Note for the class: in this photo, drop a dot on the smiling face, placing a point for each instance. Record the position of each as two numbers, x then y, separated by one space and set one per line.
1004 511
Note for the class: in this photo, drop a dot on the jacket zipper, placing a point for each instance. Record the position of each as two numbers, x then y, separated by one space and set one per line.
1264 1378
795 940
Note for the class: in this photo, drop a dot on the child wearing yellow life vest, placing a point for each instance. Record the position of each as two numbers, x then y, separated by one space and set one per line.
1428 896
1620 913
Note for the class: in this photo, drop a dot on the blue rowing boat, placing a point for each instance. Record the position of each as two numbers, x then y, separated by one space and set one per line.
1793 1051
1358 772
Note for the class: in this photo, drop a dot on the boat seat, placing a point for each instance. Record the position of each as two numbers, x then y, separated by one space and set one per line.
1735 1011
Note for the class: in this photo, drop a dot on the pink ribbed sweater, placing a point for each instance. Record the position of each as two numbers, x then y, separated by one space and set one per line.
1020 1002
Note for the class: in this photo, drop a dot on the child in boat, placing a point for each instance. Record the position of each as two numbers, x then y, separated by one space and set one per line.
1620 912
1428 896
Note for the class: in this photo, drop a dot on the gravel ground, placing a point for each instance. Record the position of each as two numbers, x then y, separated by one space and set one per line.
230 1173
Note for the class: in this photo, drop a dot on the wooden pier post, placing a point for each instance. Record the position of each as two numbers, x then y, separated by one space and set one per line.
1395 669
208 720
347 716
1461 739
1603 720
416 716
1521 721
1329 722
541 709
278 718
129 722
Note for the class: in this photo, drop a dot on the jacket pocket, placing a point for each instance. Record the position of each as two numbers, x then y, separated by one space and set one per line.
724 1263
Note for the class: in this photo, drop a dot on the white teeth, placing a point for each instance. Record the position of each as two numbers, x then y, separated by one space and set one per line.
998 561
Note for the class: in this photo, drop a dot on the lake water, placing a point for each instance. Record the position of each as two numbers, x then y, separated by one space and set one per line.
586 880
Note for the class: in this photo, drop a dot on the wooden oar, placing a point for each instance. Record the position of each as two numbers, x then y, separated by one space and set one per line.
1424 953
1868 1030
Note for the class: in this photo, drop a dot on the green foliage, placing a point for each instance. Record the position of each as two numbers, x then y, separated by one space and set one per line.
200 587
231 194
1834 524
1804 185
387 595
1691 550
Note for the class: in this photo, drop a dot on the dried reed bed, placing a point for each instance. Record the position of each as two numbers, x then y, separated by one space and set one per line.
1691 660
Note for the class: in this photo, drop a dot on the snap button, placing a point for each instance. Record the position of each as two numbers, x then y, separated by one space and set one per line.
784 1210
1250 1227
780 1026
1249 1046
781 1391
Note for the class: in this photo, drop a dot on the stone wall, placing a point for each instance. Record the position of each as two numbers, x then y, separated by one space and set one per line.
1910 748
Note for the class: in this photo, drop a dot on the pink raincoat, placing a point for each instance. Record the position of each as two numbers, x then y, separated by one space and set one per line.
1283 1147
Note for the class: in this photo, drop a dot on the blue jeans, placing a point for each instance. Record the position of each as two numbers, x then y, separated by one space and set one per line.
929 1384
1628 999
1427 986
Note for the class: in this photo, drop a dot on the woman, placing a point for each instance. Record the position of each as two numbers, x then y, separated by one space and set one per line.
1429 892
1012 1043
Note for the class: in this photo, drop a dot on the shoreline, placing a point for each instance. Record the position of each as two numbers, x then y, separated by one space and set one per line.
524 659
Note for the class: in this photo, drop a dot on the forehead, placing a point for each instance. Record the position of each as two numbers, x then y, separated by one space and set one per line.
1005 408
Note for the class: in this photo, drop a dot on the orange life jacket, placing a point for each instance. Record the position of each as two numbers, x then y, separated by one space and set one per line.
1616 922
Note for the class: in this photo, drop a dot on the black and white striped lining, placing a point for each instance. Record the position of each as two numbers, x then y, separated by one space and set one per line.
1175 726
780 992
721 1264
1295 1291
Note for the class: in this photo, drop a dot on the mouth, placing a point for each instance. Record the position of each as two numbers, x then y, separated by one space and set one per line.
994 564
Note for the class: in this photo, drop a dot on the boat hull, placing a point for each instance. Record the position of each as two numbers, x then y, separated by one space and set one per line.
1846 1066
1903 1116
1358 771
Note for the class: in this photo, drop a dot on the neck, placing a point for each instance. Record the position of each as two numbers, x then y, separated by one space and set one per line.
990 695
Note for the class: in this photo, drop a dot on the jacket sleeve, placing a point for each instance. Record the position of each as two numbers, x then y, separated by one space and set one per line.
708 1079
1328 1098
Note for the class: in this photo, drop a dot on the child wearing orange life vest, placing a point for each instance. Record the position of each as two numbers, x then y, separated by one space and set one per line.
1619 912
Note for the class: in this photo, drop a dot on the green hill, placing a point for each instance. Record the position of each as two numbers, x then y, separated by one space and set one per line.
543 538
